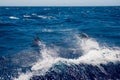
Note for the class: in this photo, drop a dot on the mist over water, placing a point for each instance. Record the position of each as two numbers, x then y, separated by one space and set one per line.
61 53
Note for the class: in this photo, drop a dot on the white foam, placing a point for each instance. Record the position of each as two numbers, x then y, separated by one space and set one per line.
24 76
26 16
47 30
50 30
96 54
93 54
48 57
65 30
13 17
46 17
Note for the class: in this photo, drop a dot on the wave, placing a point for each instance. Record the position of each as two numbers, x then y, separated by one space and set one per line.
35 16
26 16
7 24
13 17
51 30
46 17
46 9
66 30
92 53
43 17
47 30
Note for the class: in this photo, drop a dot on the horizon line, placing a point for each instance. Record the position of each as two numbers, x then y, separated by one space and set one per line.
61 6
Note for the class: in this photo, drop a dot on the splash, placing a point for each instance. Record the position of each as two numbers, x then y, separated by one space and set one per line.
93 54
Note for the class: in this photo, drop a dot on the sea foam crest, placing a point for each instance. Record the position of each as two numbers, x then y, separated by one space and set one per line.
93 54
13 17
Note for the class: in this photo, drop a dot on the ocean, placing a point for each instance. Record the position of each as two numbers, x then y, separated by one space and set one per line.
61 53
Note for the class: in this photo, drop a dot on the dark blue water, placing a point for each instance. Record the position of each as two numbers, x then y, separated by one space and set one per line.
56 26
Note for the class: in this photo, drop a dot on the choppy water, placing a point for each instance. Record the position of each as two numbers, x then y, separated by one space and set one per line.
63 55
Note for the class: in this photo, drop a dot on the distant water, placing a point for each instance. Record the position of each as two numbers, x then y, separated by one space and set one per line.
63 55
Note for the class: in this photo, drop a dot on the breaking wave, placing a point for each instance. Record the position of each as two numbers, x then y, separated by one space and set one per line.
90 53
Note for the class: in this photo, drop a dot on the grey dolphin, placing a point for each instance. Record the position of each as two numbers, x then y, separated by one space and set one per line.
83 35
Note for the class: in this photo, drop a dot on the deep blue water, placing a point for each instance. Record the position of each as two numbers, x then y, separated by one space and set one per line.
56 26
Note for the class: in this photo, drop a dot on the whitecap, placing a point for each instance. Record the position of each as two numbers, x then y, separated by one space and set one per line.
66 30
26 16
13 17
46 17
43 17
